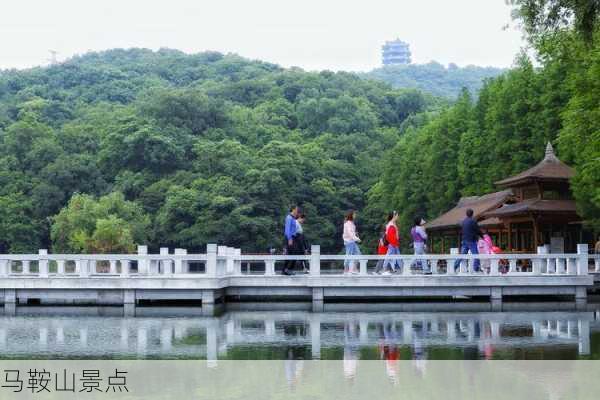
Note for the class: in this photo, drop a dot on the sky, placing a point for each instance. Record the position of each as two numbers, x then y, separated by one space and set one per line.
311 34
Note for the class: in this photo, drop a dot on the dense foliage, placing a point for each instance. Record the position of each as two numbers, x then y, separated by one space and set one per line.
543 18
132 146
436 79
129 146
474 143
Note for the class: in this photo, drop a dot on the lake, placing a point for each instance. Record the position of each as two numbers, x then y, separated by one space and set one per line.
349 332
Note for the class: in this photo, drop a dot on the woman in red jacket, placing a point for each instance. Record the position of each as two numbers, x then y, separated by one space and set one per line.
393 240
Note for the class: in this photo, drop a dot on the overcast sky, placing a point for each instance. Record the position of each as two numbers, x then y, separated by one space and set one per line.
312 34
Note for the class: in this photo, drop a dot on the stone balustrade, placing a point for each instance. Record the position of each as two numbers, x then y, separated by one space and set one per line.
225 271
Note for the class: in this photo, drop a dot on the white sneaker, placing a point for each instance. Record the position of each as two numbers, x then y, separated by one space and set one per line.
387 273
355 272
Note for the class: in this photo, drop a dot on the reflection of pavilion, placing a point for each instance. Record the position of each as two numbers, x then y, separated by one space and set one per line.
211 338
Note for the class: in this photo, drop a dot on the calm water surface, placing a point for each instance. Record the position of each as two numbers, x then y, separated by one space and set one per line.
292 331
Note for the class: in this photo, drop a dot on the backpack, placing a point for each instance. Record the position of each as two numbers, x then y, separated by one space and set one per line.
383 239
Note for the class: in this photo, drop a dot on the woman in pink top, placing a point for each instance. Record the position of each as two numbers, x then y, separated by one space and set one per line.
484 246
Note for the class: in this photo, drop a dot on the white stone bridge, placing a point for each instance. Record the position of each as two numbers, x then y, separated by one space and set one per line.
117 279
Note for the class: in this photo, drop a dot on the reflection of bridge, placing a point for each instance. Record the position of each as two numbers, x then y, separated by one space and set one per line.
73 336
225 272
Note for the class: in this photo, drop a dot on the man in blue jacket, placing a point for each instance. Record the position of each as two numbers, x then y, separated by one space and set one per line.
289 232
470 235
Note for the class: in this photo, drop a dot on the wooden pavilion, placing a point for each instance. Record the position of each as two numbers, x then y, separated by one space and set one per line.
535 207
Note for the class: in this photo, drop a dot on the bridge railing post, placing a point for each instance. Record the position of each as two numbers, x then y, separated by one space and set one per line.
211 260
230 261
582 262
597 263
125 267
494 267
269 267
433 266
113 267
223 253
179 263
25 264
450 262
143 265
544 261
167 268
4 268
315 260
43 264
571 266
83 268
536 267
92 267
237 264
512 265
363 267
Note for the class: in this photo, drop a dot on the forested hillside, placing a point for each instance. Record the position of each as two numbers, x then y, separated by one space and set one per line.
434 78
467 147
132 146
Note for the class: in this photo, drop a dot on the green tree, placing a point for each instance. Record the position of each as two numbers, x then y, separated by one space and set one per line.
20 229
107 224
543 17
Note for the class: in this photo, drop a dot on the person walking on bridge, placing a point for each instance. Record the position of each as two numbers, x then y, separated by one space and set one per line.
393 244
470 235
301 246
289 231
419 237
351 241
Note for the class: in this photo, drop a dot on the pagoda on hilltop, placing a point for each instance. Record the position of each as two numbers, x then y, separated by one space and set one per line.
395 52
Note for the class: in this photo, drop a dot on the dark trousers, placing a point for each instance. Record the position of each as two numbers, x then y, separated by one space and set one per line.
465 248
300 249
290 250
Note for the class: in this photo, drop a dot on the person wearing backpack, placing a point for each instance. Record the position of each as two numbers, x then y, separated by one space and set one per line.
419 238
393 240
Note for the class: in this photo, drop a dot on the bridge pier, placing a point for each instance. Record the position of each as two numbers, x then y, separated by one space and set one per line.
10 296
211 345
315 336
124 342
580 298
129 309
208 297
318 299
496 298
583 328
129 296
142 341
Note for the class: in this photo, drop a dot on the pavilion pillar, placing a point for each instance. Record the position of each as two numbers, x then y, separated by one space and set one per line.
535 232
509 236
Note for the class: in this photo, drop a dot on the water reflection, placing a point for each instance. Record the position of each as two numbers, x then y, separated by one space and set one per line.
296 335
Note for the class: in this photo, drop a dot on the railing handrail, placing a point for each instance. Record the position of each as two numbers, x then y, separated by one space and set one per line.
103 257
283 257
227 261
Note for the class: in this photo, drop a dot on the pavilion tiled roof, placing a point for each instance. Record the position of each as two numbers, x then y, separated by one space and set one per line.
479 204
550 168
534 206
